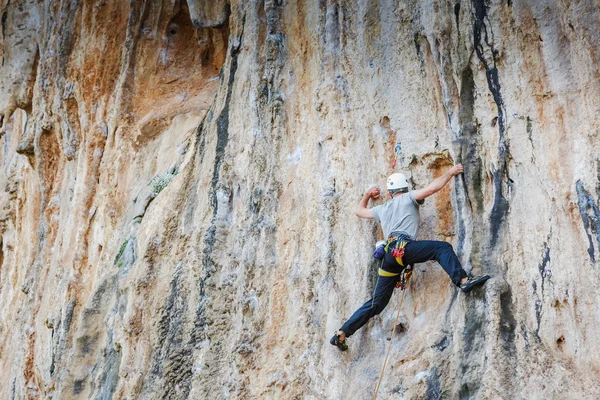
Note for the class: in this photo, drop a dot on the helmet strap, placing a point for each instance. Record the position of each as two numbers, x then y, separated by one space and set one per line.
393 192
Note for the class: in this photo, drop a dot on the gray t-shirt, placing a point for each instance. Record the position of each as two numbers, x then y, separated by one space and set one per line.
401 214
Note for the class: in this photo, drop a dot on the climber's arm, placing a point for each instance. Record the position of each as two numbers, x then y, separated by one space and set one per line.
362 211
438 183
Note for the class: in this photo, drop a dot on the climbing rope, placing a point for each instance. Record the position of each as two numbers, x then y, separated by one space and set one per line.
402 285
404 280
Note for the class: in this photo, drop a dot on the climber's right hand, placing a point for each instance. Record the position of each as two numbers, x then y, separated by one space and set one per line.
373 192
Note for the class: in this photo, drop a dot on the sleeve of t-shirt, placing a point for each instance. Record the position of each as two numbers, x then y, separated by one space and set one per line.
376 211
411 195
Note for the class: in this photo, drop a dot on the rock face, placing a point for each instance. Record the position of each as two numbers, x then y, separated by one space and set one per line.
179 183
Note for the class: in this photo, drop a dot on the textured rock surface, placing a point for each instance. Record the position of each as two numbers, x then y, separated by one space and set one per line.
179 179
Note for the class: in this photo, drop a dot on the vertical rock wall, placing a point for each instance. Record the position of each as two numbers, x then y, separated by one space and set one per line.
179 183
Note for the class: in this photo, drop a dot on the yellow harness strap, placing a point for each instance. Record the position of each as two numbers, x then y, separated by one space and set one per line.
383 272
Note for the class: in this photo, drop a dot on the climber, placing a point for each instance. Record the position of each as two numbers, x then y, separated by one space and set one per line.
399 219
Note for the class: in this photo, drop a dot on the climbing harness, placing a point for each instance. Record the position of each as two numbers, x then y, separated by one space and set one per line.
397 242
402 284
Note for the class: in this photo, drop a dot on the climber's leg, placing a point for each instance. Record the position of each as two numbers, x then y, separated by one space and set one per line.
419 251
442 252
383 293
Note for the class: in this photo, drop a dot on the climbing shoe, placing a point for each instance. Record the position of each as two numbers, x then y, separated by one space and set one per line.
340 344
472 282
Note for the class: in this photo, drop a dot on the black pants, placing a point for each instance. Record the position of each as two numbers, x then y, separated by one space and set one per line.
414 252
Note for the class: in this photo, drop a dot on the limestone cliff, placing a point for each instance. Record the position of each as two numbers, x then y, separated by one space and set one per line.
178 183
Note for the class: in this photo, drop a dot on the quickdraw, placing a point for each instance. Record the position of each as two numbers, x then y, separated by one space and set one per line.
397 151
403 282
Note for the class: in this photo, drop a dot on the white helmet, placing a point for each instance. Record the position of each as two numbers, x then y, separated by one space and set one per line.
397 182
